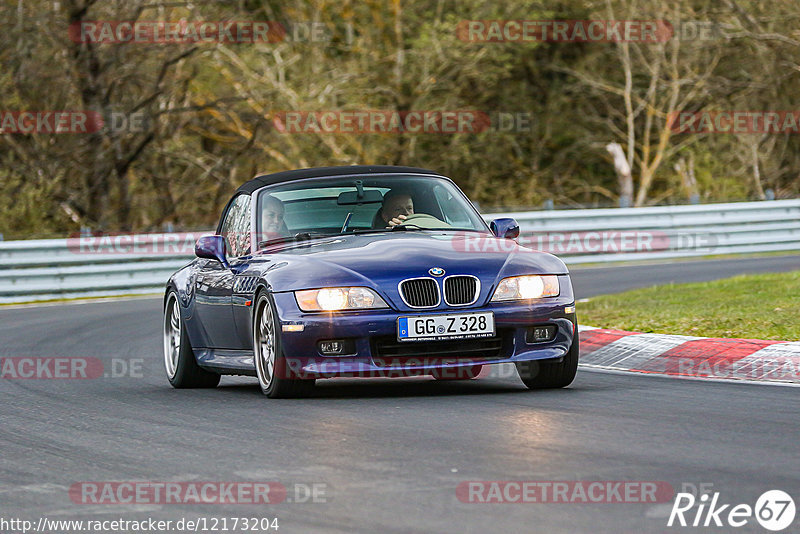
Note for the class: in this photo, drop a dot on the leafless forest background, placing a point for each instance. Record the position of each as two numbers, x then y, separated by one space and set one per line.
209 106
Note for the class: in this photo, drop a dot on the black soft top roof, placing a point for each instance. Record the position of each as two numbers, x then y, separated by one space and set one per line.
320 172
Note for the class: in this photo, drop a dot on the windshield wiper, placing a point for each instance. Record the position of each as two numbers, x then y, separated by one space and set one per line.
306 236
302 236
398 228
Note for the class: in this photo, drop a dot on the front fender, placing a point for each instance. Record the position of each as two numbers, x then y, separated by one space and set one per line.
183 282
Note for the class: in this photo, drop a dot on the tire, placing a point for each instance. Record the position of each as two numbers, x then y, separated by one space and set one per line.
274 376
179 361
458 373
551 375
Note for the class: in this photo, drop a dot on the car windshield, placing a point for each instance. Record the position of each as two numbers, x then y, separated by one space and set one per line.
332 206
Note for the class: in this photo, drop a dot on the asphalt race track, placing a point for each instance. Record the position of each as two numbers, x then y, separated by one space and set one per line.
390 453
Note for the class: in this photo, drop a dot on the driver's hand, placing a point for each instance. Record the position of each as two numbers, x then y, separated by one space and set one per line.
397 220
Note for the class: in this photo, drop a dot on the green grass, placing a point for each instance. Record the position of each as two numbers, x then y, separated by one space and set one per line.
761 306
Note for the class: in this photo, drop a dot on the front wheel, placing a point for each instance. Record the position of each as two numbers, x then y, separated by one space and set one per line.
179 361
274 375
550 375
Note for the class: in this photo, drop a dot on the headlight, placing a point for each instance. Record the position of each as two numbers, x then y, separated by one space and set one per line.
526 287
338 298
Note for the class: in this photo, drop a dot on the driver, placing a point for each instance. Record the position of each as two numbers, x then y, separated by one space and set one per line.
396 207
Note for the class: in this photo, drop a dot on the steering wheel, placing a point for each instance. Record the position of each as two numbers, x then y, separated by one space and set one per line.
424 221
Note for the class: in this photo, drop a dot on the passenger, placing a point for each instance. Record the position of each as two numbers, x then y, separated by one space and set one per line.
272 224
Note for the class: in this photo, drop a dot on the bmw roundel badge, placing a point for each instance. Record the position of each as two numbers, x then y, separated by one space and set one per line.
436 271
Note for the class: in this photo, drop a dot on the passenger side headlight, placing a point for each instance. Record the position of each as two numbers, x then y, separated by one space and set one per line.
338 298
526 287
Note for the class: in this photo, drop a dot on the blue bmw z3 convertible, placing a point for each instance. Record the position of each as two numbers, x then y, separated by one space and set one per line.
368 271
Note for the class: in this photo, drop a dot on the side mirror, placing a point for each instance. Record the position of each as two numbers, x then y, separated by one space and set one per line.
506 227
211 247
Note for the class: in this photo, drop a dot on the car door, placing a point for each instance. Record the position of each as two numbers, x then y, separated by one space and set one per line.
215 281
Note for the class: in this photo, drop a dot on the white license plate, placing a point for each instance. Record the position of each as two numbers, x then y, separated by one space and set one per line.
436 327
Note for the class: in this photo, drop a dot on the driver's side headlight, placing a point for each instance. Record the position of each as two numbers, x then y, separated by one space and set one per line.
338 298
526 287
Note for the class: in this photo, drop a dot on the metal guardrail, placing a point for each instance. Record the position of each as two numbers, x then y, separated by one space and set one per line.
672 231
64 268
46 269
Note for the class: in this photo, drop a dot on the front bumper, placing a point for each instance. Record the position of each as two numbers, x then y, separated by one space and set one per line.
374 350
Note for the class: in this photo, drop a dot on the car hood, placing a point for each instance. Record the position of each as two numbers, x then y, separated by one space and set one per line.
381 261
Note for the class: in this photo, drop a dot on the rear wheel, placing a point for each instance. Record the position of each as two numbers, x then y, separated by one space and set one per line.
548 375
274 375
179 361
